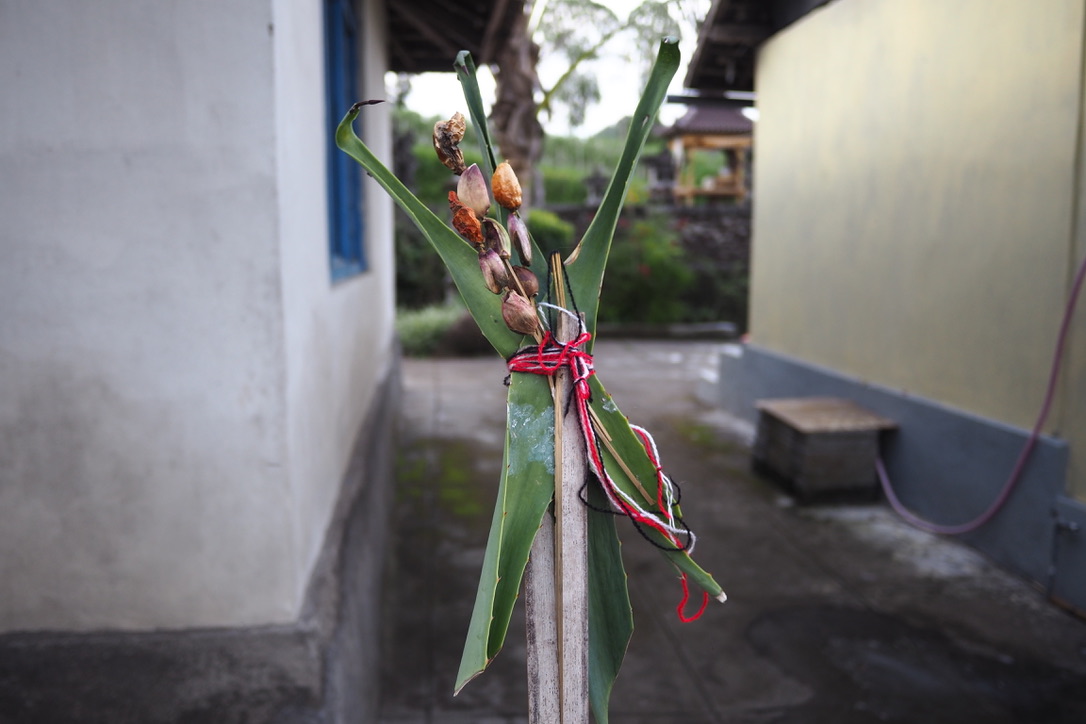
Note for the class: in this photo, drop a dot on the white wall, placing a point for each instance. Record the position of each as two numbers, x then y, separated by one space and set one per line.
339 338
166 306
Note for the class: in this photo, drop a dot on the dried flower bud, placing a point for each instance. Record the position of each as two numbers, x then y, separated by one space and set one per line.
465 221
447 137
471 188
496 237
518 233
495 275
528 281
519 314
506 186
467 225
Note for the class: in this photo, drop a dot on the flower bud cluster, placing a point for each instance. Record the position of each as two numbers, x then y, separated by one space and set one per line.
495 243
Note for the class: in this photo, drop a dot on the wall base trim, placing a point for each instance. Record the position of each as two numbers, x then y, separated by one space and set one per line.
947 465
322 668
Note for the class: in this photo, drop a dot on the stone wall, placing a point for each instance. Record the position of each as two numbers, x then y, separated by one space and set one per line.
716 239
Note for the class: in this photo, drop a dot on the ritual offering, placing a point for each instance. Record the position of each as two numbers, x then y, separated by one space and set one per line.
574 469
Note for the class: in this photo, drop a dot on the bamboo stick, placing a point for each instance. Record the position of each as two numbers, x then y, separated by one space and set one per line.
556 582
571 545
541 621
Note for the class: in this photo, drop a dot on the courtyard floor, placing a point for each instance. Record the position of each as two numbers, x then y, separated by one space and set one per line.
837 614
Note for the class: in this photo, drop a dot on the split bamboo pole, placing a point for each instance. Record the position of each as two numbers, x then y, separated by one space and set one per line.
556 590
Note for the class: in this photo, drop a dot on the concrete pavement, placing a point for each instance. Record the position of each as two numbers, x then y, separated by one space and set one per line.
837 614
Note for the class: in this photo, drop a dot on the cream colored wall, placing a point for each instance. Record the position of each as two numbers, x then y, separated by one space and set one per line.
1073 389
915 180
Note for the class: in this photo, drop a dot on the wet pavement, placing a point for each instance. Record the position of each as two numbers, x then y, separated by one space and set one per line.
836 614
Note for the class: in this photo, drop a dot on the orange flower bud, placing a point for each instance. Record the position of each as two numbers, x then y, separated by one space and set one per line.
506 187
467 225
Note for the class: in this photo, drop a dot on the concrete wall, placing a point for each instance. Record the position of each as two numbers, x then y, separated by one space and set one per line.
916 221
322 668
180 383
946 465
338 338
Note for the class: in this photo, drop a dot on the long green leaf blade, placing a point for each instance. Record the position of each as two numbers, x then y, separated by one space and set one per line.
586 273
525 492
465 72
632 451
610 615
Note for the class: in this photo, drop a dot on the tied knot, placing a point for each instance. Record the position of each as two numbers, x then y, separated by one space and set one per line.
550 355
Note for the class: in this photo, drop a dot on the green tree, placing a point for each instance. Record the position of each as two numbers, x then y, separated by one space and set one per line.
579 31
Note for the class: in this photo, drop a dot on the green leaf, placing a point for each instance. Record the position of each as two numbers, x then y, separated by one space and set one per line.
586 272
632 451
610 615
465 72
524 494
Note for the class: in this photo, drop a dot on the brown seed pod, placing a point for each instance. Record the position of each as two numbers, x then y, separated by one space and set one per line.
496 237
506 187
518 234
528 280
447 137
519 314
495 275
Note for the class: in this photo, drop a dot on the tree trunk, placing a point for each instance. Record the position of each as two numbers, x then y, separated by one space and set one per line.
513 118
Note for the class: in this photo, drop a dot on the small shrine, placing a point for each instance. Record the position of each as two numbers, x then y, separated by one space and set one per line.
711 128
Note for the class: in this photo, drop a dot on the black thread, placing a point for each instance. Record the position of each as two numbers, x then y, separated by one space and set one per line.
639 527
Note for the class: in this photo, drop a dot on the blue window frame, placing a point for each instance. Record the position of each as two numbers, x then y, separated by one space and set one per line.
347 252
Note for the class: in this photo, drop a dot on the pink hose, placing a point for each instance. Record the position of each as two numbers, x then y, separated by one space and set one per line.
1023 457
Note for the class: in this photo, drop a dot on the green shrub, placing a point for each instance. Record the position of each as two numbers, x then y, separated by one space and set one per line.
420 274
647 274
563 186
421 330
550 232
718 294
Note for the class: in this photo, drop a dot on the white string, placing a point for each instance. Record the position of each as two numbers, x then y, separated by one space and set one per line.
632 502
575 317
669 496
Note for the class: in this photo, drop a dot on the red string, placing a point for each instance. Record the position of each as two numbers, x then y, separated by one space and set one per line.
547 358
686 597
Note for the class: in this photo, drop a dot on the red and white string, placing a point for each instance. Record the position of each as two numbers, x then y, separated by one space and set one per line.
549 356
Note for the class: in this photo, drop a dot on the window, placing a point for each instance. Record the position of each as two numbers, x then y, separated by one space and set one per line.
345 243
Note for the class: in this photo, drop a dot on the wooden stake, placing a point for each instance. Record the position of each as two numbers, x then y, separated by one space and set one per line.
571 546
540 612
556 582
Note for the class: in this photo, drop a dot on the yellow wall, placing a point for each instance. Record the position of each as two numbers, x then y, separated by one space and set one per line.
916 182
